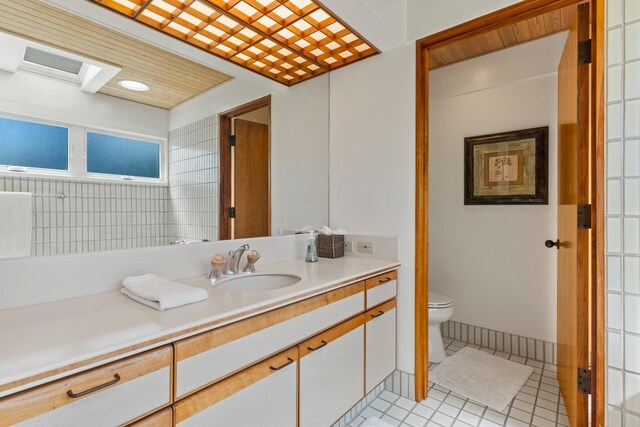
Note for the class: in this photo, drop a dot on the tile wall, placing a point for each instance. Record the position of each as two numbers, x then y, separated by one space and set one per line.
623 213
93 216
531 348
194 181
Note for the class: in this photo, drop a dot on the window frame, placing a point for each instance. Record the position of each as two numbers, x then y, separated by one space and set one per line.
77 155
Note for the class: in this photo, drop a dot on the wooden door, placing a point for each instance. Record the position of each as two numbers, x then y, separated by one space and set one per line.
573 191
251 180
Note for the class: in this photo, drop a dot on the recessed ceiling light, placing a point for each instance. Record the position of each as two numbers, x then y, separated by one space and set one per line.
134 85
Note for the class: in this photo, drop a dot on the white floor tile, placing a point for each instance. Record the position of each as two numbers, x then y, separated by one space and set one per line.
537 404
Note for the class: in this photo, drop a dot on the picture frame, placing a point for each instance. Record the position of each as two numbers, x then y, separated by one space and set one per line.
508 168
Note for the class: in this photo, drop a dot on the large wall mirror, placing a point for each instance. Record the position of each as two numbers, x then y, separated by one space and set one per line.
107 142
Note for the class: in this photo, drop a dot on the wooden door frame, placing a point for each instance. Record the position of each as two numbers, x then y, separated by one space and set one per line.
224 132
518 12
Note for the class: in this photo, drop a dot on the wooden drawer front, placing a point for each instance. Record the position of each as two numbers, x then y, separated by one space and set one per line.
143 387
206 358
163 418
380 344
262 395
332 375
382 288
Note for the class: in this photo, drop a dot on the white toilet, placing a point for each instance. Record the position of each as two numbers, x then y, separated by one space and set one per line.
440 310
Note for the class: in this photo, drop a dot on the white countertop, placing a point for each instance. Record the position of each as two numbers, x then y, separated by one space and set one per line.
46 337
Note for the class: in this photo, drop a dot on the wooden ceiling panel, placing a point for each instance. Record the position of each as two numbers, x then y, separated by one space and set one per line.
500 38
172 78
285 40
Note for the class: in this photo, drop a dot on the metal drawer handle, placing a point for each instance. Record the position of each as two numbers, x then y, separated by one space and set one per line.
385 280
283 366
380 313
318 347
73 395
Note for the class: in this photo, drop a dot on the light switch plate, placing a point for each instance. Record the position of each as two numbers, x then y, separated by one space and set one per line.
365 246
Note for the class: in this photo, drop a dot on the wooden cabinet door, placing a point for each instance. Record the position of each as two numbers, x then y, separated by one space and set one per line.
331 373
264 395
380 344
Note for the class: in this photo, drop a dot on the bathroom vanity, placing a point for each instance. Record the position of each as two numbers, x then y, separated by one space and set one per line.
300 355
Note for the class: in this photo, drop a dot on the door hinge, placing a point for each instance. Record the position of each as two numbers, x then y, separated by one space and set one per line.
584 216
232 212
232 140
584 381
584 51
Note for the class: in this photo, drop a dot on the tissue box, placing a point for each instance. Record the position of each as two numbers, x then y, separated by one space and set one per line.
330 246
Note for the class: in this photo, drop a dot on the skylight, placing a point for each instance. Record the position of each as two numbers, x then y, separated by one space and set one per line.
286 40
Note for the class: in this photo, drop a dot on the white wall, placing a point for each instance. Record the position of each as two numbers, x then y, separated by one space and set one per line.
425 17
372 168
491 260
37 96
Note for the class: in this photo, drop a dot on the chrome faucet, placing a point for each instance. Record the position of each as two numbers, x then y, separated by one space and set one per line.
233 262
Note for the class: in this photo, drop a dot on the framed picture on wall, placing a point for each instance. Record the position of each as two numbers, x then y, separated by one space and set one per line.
509 168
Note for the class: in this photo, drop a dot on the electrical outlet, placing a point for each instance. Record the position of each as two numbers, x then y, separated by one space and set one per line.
365 247
348 246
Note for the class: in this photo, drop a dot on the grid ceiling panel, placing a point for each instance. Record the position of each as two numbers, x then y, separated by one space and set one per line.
286 40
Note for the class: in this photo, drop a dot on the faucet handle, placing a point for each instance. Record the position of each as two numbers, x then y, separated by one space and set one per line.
252 258
218 261
217 264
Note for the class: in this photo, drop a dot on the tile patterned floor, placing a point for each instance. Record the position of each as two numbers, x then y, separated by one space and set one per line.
538 403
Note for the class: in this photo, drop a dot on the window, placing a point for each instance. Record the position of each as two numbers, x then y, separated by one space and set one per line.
72 151
108 154
33 145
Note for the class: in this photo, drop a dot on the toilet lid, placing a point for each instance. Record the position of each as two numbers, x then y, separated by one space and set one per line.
437 300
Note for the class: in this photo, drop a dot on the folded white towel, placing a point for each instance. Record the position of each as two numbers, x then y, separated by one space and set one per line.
375 422
161 293
15 224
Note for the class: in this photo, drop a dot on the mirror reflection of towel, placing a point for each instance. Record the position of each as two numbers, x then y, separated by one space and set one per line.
15 224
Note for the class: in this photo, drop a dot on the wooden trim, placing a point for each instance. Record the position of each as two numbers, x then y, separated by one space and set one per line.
146 345
224 131
324 338
374 312
381 279
507 16
422 225
598 212
518 12
213 394
30 403
162 418
192 346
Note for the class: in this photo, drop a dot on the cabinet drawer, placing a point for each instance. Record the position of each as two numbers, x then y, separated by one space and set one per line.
331 373
381 288
380 343
110 395
211 356
264 394
163 418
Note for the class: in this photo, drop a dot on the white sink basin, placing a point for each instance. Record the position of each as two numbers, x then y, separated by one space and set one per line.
257 282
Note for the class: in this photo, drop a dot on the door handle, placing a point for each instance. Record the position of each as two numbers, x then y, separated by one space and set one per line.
551 243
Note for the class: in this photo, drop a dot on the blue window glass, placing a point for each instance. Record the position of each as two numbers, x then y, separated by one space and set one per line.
33 145
122 156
